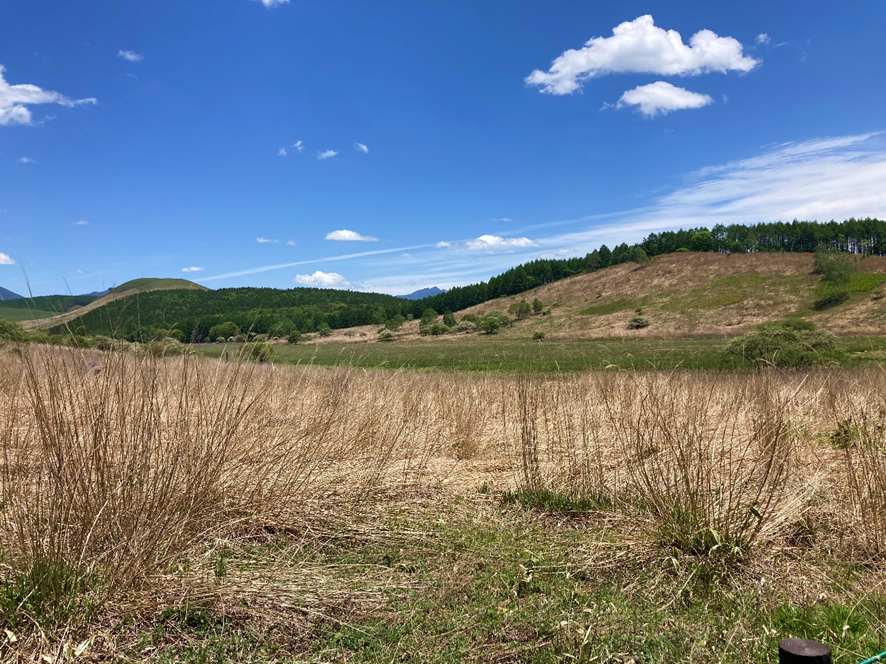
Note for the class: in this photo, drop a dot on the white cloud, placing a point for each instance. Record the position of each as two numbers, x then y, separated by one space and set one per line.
265 240
359 147
6 259
130 56
321 279
661 97
298 146
443 245
290 243
350 236
501 219
193 269
15 99
274 3
26 160
82 222
327 154
281 152
763 38
639 46
496 243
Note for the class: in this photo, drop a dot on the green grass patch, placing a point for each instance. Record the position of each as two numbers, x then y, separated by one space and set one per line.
23 314
470 585
611 307
861 282
483 353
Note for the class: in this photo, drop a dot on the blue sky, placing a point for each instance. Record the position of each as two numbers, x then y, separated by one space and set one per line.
390 146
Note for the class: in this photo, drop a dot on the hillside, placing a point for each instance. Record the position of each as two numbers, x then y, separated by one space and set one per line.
699 294
73 307
6 294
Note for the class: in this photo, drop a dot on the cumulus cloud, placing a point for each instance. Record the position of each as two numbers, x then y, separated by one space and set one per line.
327 154
298 146
639 46
661 97
26 160
763 38
496 243
281 152
82 222
130 56
274 3
193 269
15 99
359 147
265 240
443 244
321 279
350 236
6 259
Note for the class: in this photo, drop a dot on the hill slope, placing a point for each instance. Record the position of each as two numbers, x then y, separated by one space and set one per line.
698 294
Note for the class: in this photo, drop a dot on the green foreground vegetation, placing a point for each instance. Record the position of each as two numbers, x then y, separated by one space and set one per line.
490 353
489 580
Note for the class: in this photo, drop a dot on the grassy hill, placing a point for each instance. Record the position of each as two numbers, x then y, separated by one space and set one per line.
148 284
700 294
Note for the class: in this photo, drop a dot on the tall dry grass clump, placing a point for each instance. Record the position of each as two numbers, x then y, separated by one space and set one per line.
709 458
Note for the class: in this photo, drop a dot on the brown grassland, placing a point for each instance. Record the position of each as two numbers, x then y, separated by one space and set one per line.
189 509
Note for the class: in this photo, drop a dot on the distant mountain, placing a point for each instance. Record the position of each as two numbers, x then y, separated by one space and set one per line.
99 293
9 295
423 293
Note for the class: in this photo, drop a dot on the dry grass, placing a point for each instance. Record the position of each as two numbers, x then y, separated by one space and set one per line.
128 482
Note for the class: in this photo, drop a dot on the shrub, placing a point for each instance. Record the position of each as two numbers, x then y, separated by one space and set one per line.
325 331
467 327
226 330
386 335
438 329
261 352
449 319
470 318
537 306
790 343
492 322
520 309
10 331
538 335
639 321
294 337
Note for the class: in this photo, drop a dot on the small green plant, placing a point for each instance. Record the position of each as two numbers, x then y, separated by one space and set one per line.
261 352
553 501
638 322
386 335
538 335
790 343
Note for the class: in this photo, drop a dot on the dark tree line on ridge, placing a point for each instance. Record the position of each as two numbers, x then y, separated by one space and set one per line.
192 314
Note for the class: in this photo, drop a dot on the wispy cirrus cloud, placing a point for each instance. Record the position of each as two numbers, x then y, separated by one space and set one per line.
290 243
641 47
349 236
281 152
360 147
266 240
326 154
130 56
193 269
298 145
26 160
322 280
82 222
273 3
15 100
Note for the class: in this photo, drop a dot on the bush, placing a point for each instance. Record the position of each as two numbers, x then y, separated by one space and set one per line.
325 331
226 330
538 335
10 331
537 306
492 322
449 319
438 329
261 352
790 343
470 318
386 335
294 337
467 327
639 321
